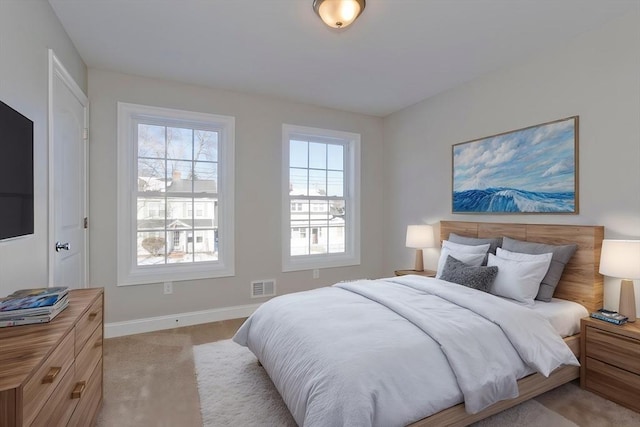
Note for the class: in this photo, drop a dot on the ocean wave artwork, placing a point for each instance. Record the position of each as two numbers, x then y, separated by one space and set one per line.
531 170
512 200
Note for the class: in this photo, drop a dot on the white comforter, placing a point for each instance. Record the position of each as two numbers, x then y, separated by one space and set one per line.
390 352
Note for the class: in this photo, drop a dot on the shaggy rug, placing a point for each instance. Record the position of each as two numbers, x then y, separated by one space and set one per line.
235 391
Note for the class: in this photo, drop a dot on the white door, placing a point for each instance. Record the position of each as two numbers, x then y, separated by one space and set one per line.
68 108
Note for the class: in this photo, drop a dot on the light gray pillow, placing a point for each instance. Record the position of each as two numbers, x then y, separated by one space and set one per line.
494 243
480 278
561 256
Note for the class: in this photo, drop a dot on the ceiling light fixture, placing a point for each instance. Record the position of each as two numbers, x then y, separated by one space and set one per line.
338 13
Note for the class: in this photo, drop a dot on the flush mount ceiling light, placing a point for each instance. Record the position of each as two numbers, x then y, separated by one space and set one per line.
338 13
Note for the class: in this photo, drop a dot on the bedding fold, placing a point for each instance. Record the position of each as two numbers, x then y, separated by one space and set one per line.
533 336
483 381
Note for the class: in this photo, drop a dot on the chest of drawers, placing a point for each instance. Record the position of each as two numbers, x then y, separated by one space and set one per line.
610 360
51 374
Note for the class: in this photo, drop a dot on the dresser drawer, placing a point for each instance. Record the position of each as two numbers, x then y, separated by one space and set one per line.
58 409
617 350
41 385
89 356
87 408
87 324
613 383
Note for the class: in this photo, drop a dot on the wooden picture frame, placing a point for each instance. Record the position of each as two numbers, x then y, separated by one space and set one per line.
532 170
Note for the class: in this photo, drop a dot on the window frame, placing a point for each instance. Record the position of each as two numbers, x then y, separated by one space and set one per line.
351 144
128 272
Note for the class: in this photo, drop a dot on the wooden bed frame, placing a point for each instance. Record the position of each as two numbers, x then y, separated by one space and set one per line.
580 282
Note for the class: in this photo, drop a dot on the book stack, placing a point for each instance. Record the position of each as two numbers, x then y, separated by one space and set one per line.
29 306
609 316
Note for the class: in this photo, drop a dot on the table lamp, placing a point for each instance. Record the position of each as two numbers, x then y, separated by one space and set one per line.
621 258
419 237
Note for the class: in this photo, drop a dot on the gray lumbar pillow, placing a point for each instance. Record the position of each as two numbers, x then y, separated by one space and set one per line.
480 278
561 256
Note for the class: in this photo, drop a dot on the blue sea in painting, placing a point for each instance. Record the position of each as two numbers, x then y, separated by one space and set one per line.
512 200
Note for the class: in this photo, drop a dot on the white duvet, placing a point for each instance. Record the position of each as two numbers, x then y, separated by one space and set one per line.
390 352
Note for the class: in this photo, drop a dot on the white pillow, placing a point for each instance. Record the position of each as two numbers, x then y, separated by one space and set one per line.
519 256
468 249
471 255
518 280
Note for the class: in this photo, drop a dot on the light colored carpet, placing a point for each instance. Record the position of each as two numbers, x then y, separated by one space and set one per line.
235 391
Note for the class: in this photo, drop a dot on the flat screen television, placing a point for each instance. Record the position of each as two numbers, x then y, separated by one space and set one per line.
16 173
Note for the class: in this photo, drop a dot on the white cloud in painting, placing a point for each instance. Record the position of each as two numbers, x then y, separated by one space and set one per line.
550 131
503 154
468 154
565 166
477 179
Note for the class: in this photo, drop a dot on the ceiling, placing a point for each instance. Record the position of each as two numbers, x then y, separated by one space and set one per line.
397 53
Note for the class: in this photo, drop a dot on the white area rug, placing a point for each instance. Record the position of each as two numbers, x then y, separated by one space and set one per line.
235 391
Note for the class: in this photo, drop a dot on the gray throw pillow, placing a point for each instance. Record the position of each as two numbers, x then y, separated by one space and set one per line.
480 278
561 256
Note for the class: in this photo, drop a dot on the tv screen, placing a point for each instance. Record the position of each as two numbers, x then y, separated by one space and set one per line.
16 173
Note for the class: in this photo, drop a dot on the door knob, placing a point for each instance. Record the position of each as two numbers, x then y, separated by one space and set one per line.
61 246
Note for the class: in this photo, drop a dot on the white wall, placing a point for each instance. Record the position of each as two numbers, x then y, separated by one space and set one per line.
27 30
258 194
595 76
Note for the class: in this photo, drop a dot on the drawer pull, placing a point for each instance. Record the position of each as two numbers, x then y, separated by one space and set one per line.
78 390
98 344
51 376
93 316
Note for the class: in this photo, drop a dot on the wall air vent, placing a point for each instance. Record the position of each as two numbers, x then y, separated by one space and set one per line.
263 288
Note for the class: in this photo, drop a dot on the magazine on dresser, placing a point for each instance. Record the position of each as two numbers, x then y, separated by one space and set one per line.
35 305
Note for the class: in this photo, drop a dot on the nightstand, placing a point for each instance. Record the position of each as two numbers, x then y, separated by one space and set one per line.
426 273
610 361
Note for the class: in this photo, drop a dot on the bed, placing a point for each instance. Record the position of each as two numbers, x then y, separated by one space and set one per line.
333 383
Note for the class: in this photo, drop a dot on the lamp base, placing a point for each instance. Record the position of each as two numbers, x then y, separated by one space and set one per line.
419 261
627 305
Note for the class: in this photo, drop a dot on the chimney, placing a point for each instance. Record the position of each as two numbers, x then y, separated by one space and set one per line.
176 175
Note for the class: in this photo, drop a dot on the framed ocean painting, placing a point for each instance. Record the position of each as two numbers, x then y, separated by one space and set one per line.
530 170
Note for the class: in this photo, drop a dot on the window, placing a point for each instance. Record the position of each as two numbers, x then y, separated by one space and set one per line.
173 163
321 186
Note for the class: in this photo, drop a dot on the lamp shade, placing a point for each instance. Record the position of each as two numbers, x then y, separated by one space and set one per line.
620 258
420 236
338 13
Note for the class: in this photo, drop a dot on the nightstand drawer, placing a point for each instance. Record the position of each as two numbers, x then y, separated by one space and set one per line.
617 350
613 383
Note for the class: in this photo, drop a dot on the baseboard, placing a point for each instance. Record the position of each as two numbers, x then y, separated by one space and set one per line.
150 324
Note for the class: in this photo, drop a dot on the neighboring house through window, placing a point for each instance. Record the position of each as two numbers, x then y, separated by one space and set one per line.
171 164
321 202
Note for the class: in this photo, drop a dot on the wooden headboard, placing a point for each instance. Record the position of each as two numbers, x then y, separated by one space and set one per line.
580 280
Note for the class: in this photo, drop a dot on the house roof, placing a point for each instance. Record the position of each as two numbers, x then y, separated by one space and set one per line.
199 186
177 224
177 185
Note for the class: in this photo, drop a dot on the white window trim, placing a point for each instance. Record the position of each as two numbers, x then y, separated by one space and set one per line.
351 256
129 273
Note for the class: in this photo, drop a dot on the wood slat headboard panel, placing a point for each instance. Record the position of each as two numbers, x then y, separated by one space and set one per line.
580 280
